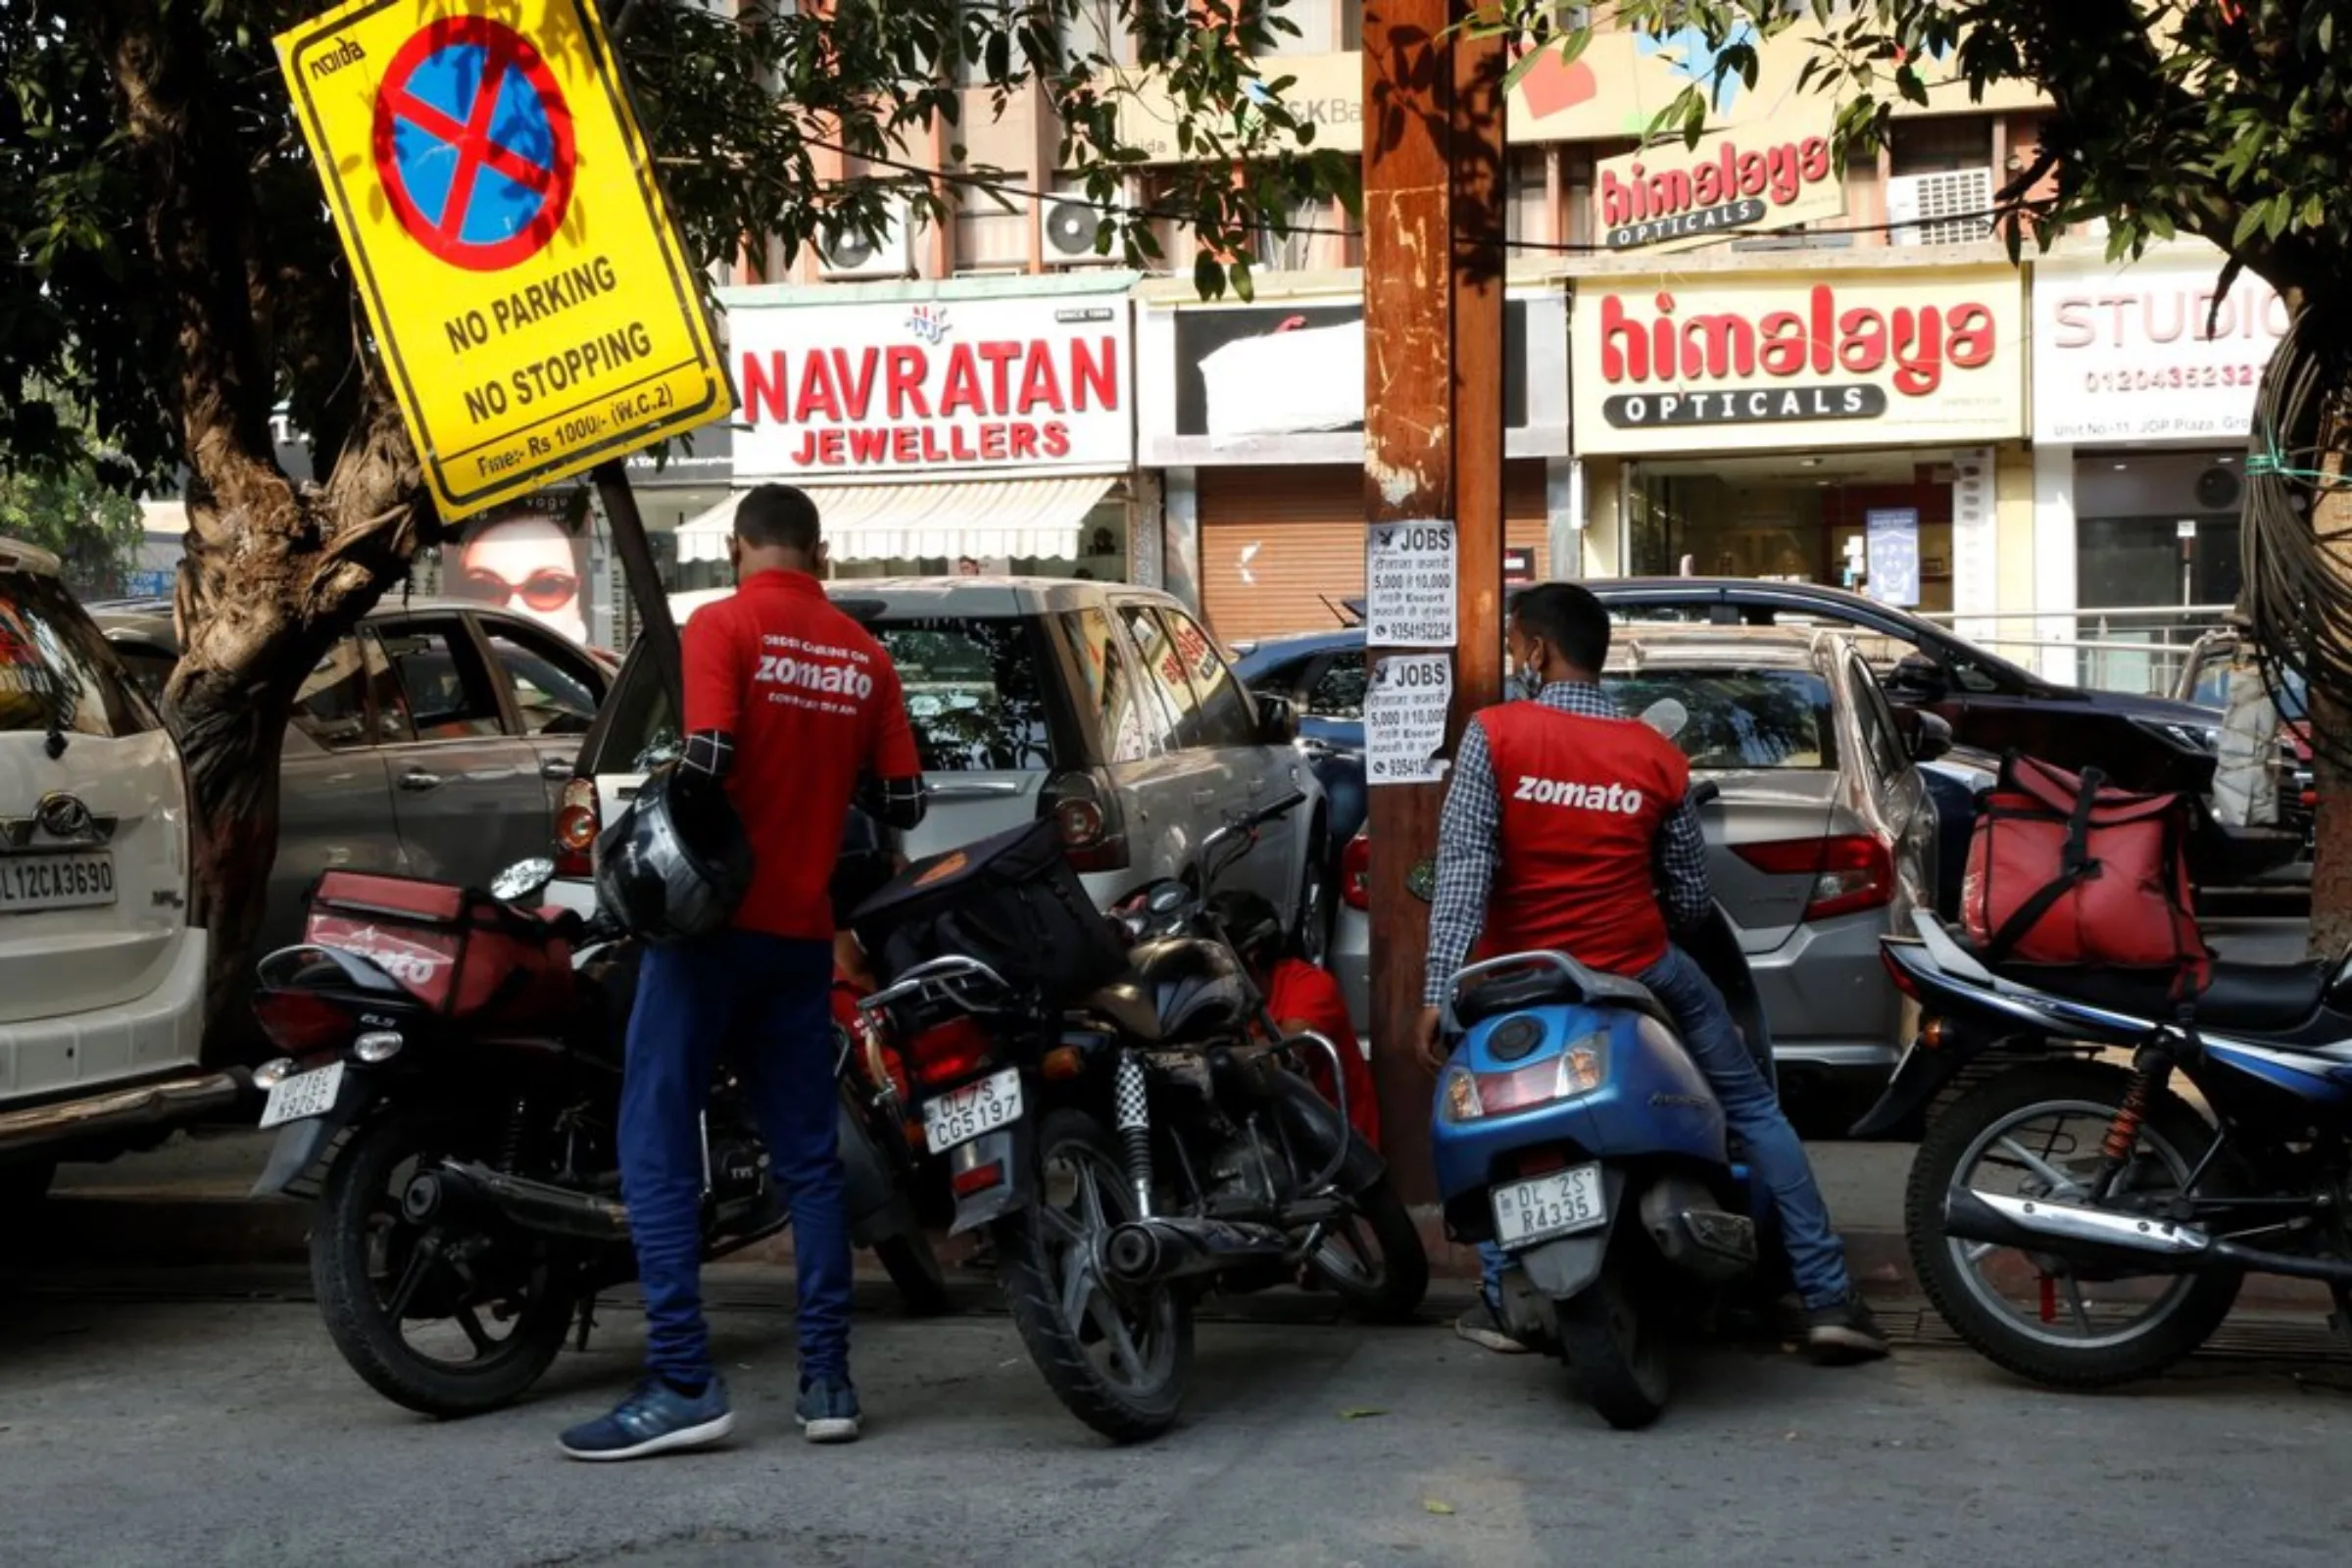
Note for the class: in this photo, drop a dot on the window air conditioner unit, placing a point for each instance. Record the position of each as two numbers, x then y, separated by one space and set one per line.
1947 209
1066 222
890 254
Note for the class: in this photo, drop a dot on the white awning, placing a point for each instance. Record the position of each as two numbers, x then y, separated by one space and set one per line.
1005 519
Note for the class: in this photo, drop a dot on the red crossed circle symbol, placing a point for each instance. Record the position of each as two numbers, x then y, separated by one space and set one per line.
464 227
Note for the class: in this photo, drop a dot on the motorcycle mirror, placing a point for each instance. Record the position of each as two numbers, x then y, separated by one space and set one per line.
1667 715
1168 897
524 880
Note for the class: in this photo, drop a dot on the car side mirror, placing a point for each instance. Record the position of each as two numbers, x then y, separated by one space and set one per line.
1277 719
1704 791
523 881
1929 735
1919 676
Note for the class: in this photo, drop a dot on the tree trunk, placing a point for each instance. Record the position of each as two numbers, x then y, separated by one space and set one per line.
2332 840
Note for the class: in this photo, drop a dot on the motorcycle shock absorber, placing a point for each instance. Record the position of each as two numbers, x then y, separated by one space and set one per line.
1133 1106
2150 1067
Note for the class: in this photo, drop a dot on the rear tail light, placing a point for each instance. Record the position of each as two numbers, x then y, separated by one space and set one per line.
1850 873
302 1023
949 1052
1355 871
577 823
1094 832
1898 974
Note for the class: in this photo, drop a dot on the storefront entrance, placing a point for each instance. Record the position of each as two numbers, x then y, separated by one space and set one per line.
1794 518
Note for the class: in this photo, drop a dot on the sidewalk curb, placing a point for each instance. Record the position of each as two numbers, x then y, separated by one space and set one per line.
155 1229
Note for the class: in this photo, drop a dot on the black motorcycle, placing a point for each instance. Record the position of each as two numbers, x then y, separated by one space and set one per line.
1123 1116
450 1095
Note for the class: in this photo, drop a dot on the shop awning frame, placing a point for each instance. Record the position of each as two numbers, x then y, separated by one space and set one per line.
1037 519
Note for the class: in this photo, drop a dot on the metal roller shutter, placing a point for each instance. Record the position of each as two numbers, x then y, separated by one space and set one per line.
1276 543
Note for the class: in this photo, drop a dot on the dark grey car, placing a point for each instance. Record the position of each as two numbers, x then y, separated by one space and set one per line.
435 742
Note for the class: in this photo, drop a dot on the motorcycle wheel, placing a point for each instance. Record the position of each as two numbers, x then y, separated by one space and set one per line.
913 1267
1615 1356
1372 1259
381 1278
1119 1361
2040 1127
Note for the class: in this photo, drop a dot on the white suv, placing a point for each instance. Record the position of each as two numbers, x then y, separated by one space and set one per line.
101 967
1103 706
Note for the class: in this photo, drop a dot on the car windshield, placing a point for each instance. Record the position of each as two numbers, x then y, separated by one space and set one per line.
975 698
54 664
1739 718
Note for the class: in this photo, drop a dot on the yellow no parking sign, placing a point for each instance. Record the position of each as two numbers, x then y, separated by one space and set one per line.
533 304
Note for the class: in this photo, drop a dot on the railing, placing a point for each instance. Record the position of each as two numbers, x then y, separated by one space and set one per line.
2140 649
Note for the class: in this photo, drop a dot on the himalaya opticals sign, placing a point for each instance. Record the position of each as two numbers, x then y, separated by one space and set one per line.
943 387
2150 351
1671 197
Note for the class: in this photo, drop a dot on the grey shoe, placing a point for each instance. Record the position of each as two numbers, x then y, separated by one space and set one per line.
1483 1327
828 1411
656 1419
1843 1333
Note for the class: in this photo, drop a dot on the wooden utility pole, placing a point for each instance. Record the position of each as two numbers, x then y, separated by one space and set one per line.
1434 200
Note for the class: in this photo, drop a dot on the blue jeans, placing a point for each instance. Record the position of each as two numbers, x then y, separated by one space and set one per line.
770 999
1815 1257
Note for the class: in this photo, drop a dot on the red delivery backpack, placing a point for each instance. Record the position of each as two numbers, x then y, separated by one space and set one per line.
2067 869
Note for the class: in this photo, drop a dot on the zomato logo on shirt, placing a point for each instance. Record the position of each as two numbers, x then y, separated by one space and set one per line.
1615 798
799 675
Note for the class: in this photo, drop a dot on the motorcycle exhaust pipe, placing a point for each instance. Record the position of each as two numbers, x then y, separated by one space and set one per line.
1149 1251
540 1206
2036 1225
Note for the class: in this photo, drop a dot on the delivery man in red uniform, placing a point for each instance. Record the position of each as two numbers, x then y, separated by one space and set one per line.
1567 828
789 703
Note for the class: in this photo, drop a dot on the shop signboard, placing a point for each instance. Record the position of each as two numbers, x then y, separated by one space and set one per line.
1754 180
2149 350
1832 359
933 388
1282 382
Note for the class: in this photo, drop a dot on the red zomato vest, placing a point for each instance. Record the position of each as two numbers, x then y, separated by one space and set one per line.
1583 801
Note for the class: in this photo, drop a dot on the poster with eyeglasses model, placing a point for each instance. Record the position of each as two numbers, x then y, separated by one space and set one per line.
530 556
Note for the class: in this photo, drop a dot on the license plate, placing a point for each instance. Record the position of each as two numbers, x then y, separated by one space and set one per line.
36 882
1559 1205
975 1109
303 1096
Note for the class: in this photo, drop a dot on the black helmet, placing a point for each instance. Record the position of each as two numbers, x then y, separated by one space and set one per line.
1250 924
677 862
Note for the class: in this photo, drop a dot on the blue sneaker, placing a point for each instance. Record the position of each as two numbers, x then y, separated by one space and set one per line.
828 1411
656 1419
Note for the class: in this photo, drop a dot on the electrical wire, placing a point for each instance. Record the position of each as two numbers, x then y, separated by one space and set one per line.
2298 578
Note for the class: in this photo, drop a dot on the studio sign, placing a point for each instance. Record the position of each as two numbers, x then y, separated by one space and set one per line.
1727 189
1903 350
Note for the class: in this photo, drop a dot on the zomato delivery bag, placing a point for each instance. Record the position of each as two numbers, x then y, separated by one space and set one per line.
2067 869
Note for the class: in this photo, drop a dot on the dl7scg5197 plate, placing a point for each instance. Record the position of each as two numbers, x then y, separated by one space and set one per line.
975 1109
1558 1204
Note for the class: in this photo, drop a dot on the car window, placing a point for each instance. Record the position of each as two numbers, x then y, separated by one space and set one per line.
975 691
1125 718
56 666
446 693
348 700
1283 677
1892 757
554 695
1164 668
640 727
1226 718
1739 718
1339 692
149 667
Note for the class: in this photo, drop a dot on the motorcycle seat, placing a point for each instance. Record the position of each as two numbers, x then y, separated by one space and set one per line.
1497 994
2237 995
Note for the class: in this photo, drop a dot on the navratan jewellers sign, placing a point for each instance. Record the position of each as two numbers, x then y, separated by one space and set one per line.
1841 359
1754 180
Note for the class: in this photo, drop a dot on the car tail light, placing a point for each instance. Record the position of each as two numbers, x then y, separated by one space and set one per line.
1355 871
949 1052
577 823
1093 833
1850 872
302 1023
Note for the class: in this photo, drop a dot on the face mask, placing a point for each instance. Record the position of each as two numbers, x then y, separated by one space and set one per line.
1525 682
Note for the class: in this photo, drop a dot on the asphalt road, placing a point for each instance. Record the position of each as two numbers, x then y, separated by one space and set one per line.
215 1431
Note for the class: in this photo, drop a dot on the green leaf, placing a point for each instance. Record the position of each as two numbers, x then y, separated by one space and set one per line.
1437 1505
2249 223
2314 213
1208 275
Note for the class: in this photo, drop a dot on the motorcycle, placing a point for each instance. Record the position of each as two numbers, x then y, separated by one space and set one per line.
449 1094
1154 1141
1573 1130
2081 1223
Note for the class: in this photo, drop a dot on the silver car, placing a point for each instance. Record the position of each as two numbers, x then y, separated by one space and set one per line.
1822 841
1103 706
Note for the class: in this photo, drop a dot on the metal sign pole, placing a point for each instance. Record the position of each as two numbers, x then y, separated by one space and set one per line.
656 629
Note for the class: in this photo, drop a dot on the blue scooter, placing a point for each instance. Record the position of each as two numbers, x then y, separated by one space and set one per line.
1572 1129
